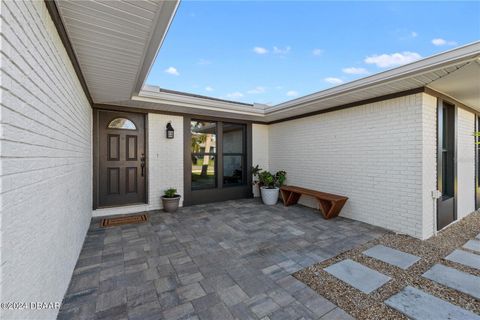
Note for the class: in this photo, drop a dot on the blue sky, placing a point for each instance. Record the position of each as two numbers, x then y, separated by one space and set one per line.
270 52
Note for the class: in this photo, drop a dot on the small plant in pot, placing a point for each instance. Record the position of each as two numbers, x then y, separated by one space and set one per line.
170 200
270 185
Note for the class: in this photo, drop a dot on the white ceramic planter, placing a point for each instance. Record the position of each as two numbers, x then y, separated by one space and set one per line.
256 190
269 196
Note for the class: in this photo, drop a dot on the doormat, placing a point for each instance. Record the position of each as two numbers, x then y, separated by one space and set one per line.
113 222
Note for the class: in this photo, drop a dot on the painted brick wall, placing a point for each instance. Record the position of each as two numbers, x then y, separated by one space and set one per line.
46 165
465 163
371 153
165 158
260 154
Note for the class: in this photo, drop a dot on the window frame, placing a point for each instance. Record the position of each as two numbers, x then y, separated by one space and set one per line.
122 118
243 155
203 154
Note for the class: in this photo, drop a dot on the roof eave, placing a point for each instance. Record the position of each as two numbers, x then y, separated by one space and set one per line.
465 53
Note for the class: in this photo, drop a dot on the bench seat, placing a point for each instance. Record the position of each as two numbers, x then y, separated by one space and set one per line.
330 204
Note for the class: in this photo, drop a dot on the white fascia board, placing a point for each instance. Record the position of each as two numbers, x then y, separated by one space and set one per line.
163 21
198 103
465 53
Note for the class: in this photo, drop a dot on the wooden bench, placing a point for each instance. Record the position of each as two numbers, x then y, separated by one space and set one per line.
330 204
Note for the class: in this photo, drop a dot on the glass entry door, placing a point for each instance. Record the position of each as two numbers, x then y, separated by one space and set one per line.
217 160
446 168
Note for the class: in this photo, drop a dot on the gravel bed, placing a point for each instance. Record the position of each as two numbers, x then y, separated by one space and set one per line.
431 251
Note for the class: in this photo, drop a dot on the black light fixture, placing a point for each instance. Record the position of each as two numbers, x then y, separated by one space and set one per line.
170 131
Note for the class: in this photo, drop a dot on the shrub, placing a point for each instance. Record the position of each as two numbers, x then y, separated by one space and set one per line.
271 181
170 193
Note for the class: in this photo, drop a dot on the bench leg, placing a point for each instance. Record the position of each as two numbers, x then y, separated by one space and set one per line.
289 197
331 209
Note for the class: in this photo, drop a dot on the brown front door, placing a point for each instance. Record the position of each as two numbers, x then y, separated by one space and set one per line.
121 158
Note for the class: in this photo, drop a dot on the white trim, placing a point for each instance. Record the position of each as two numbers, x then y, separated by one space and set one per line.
464 53
197 103
119 210
163 22
382 81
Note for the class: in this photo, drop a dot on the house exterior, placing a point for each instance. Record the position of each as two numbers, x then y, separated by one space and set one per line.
83 136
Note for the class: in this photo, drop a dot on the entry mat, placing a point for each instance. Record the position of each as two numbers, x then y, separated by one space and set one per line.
113 222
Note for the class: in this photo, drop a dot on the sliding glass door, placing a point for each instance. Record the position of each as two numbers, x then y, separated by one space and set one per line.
217 160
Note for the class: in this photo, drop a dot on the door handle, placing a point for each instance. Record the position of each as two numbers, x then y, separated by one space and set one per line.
142 163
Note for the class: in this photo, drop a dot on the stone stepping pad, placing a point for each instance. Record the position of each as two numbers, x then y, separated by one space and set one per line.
473 245
455 279
478 236
468 259
357 275
419 305
392 256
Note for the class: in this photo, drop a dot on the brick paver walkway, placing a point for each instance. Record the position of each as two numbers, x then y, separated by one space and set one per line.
229 260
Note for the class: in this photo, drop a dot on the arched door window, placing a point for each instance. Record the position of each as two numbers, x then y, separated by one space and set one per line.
122 123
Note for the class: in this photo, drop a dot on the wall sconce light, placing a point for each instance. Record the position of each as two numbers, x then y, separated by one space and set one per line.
170 131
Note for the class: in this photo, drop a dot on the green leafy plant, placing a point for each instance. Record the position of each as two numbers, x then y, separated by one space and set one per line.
280 177
170 193
270 180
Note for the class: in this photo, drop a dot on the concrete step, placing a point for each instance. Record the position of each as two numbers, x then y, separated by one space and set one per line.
419 305
392 256
473 245
468 259
455 279
358 275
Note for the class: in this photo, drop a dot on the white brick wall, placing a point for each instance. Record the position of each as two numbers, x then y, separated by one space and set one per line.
46 165
371 153
465 163
429 156
260 154
165 158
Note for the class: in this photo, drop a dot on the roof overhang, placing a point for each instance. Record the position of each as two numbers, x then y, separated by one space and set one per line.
115 42
455 73
459 63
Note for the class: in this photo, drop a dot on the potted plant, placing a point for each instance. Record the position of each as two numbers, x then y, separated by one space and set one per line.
170 200
255 182
271 184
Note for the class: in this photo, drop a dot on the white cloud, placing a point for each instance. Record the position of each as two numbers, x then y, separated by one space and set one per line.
257 90
353 70
172 71
317 52
292 93
235 95
277 50
394 59
413 34
333 80
443 42
260 50
209 89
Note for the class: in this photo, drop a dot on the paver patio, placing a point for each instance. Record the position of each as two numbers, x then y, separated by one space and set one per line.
218 261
